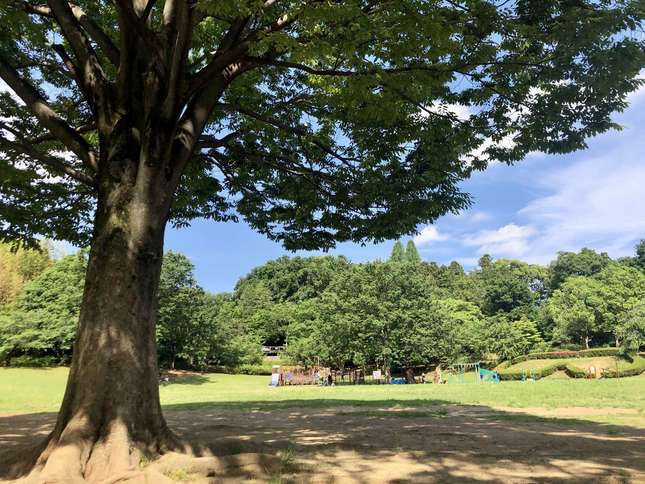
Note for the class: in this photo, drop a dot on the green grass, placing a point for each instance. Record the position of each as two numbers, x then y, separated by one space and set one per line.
40 390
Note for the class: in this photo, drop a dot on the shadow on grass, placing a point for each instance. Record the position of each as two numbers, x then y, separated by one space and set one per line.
390 441
187 379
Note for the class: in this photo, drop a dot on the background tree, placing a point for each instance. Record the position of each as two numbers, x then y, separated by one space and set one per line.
398 252
631 332
507 339
638 260
17 267
45 317
309 120
577 308
294 279
584 263
513 287
623 288
179 298
411 253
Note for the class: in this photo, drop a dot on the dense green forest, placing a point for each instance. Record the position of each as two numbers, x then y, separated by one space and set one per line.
392 314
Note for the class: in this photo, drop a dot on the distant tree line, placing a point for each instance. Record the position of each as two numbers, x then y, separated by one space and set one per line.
38 321
392 314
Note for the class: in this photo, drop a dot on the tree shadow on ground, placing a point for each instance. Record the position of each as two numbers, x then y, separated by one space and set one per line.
335 440
184 379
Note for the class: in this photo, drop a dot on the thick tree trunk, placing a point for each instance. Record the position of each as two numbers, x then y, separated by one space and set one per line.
111 411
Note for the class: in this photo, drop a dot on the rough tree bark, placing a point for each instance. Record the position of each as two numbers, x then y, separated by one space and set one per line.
111 410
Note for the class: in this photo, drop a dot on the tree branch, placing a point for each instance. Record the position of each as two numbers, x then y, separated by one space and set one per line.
47 161
92 78
206 141
48 117
298 130
89 25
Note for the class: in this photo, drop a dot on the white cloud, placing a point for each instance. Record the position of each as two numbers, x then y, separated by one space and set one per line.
428 235
596 203
508 241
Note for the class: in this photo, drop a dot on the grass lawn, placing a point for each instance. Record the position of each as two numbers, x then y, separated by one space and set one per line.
40 390
546 431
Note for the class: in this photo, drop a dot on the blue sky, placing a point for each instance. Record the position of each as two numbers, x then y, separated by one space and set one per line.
593 198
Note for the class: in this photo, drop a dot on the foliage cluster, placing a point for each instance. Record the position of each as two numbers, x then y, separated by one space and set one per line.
39 327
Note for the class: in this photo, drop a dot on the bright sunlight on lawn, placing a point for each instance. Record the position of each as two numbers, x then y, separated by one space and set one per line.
40 390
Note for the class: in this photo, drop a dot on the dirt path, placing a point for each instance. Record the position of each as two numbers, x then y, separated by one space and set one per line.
371 445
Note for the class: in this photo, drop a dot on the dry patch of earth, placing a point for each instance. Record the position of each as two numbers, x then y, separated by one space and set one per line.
444 443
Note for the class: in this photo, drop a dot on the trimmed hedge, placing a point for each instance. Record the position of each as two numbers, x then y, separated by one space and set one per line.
241 370
634 370
600 352
552 355
28 361
573 371
569 369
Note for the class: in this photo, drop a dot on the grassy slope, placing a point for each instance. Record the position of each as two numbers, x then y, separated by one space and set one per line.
40 390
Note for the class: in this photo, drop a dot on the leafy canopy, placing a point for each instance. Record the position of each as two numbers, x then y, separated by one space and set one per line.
315 122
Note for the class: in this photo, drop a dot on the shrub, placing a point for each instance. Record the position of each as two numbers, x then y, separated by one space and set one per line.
635 369
545 356
241 370
573 371
600 352
34 361
568 354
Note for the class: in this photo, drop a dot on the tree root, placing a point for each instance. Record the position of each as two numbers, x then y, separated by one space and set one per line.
80 454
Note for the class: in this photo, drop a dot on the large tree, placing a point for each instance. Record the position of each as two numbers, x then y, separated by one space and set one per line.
313 121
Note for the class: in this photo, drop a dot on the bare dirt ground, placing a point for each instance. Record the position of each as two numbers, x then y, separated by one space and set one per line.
447 443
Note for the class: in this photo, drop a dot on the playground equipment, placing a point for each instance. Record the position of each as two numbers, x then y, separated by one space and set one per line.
488 375
281 376
457 373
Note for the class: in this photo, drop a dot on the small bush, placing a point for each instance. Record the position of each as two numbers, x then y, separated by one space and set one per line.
637 367
549 355
599 352
34 361
242 369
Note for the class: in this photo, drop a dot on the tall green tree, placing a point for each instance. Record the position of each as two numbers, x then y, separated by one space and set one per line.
295 278
18 267
513 287
577 308
584 263
179 298
632 330
507 338
45 316
309 120
638 260
411 253
623 288
398 252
